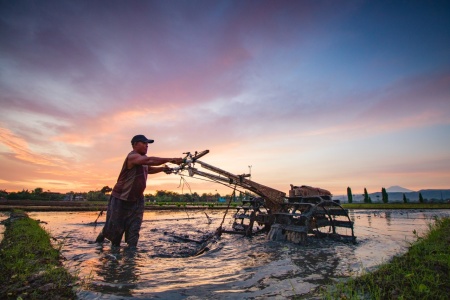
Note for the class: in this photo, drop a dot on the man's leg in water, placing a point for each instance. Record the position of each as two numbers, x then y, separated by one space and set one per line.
116 217
101 237
133 223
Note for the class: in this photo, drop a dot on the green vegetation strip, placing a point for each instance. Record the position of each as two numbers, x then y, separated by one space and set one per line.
422 273
30 267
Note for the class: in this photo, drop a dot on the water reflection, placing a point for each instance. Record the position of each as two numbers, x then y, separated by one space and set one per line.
387 215
117 271
235 267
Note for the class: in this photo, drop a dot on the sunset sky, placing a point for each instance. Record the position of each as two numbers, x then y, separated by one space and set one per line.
323 93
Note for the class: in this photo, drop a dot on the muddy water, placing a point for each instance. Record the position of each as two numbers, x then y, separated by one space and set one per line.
235 267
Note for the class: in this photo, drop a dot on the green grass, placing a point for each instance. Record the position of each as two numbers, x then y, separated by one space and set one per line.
30 266
396 205
190 204
422 273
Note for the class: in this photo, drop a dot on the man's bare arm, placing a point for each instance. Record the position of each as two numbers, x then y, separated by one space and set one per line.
137 159
154 170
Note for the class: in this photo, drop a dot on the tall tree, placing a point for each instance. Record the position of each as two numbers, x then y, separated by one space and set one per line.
366 197
404 198
420 198
385 196
349 195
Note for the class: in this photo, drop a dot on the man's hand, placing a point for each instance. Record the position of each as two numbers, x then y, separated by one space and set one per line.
167 169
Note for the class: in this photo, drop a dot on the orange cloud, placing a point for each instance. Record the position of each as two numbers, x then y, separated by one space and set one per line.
19 148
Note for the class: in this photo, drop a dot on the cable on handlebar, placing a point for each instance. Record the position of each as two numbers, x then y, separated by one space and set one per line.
188 160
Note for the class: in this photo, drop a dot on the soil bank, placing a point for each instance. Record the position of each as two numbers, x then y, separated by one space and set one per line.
31 266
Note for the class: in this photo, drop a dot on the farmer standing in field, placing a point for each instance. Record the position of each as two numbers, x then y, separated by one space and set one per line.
126 204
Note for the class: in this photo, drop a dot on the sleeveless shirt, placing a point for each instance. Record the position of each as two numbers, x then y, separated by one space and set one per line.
131 183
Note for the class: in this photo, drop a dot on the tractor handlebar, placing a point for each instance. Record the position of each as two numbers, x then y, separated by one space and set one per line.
188 160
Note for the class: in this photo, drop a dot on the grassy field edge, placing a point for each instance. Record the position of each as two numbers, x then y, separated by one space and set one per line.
34 205
31 266
423 272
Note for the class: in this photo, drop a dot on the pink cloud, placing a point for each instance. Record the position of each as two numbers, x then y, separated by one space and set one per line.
414 102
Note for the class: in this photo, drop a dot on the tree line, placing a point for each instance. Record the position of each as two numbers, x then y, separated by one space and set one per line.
384 196
160 196
104 193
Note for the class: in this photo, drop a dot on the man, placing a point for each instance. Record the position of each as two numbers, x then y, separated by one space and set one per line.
126 204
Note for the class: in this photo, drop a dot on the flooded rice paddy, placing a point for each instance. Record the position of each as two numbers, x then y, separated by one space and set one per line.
235 267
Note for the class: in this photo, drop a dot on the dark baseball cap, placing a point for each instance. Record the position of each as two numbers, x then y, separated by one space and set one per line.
141 138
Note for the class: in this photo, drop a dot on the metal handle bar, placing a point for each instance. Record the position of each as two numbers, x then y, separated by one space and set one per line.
188 160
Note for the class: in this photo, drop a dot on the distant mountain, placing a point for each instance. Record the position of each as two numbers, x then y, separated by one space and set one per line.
397 189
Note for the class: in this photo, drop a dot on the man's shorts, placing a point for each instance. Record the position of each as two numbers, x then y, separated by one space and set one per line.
123 217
